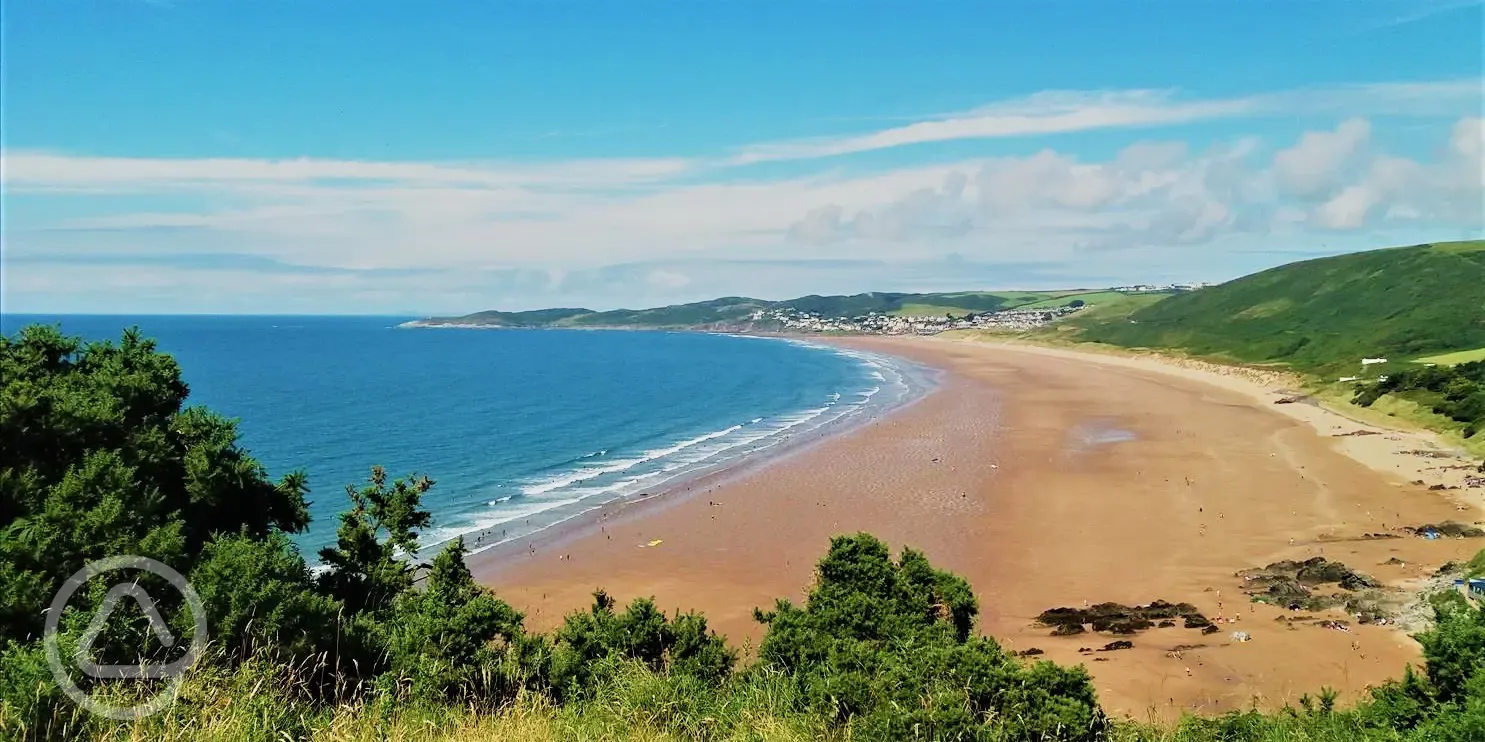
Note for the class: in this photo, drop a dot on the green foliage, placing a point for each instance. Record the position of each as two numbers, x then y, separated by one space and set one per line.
1455 649
587 645
886 648
100 457
1456 392
447 639
1476 565
258 595
1325 314
365 572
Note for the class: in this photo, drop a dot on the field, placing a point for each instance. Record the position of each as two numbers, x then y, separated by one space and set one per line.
926 310
1016 300
1094 298
1450 359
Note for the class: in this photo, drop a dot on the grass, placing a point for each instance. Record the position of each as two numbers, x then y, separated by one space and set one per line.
1323 315
1088 297
261 702
637 705
927 310
1450 359
1101 305
1475 567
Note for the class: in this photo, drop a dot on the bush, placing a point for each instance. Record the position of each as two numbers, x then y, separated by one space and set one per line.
884 648
587 645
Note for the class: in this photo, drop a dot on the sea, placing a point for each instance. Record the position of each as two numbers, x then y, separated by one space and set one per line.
521 430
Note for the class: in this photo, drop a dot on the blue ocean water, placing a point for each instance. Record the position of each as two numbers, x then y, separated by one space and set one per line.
519 428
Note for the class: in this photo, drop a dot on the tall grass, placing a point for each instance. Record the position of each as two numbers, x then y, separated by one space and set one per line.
261 700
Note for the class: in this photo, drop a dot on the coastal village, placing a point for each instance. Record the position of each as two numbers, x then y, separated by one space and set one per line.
876 323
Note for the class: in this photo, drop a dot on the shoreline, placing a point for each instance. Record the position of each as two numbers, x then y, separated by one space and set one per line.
1005 476
919 382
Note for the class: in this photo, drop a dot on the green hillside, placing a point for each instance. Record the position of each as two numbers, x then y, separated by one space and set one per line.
726 309
534 318
735 309
1323 315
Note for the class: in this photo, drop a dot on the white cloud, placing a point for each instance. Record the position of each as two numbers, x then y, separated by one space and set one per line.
559 222
1447 191
819 226
1468 138
1348 209
1161 195
1314 165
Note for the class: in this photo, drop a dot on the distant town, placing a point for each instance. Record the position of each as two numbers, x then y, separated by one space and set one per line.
1143 288
876 323
881 323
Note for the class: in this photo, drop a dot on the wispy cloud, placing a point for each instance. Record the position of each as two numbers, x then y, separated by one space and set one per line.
1062 112
515 231
1414 11
1043 113
44 171
1049 112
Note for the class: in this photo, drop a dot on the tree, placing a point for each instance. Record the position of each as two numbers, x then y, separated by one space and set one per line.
1455 649
364 569
260 598
446 639
99 456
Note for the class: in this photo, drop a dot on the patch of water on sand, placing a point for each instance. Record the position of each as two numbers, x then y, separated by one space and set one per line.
1094 433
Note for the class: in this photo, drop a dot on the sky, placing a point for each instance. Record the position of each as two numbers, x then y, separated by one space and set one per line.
393 157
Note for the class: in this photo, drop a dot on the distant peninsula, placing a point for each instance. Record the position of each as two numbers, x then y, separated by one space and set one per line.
874 313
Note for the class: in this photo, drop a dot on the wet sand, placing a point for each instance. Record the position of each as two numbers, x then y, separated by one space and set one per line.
1049 478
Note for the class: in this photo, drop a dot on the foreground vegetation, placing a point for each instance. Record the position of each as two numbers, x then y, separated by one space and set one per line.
99 456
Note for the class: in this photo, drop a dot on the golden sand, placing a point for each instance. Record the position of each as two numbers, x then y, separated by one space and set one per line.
1050 478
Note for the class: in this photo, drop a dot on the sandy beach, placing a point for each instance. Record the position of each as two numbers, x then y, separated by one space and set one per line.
1050 477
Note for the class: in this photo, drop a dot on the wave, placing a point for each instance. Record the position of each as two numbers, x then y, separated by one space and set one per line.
589 482
584 474
538 497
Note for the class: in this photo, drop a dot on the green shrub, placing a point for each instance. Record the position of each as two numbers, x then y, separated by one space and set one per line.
587 645
884 648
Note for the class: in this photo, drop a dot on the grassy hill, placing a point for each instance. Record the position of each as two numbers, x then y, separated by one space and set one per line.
1322 315
735 309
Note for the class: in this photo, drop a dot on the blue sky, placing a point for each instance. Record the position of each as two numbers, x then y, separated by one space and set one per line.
397 157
